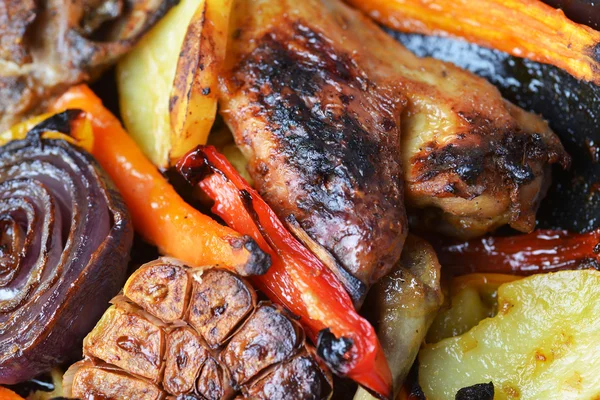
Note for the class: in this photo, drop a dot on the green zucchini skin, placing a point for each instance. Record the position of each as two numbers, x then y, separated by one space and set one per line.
572 108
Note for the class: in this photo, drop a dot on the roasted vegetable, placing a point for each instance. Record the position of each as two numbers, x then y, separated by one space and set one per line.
402 305
195 332
144 103
523 28
193 101
65 237
471 299
7 394
183 54
159 214
45 47
297 279
540 251
542 344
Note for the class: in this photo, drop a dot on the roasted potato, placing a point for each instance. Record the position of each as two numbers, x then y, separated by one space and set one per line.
168 83
542 344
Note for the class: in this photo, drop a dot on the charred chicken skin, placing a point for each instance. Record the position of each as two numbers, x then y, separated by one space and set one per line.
47 46
195 333
320 124
330 111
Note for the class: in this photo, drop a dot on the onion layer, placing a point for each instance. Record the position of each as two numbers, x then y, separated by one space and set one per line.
65 237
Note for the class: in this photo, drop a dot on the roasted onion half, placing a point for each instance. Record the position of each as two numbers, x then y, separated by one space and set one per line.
65 237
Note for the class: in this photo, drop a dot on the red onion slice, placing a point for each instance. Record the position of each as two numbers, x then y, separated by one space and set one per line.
65 237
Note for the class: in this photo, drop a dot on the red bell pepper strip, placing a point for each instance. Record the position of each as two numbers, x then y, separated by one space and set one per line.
536 252
346 342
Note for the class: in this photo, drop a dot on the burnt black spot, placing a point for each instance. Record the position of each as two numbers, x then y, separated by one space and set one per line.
259 261
480 391
596 52
333 350
509 152
206 91
60 122
320 144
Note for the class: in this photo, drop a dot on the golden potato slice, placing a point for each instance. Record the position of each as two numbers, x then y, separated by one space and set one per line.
145 80
193 102
168 83
542 344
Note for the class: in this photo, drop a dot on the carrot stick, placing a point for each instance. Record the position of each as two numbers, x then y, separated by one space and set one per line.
159 214
522 28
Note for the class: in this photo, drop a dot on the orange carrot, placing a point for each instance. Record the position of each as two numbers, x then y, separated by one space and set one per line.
159 214
523 28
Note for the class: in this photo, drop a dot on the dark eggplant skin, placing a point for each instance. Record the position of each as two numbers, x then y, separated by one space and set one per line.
55 335
581 11
571 107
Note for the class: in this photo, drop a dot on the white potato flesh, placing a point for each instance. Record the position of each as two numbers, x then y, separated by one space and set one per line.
145 80
544 343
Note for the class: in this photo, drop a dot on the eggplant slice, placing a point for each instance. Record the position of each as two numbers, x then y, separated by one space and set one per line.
199 334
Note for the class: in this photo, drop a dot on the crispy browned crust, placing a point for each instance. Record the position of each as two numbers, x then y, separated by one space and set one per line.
224 344
471 161
322 133
46 47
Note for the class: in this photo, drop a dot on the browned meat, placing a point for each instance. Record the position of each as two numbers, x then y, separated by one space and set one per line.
198 333
47 46
318 98
320 124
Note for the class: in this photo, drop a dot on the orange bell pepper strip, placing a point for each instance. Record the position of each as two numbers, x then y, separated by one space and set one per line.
532 253
159 214
346 342
7 394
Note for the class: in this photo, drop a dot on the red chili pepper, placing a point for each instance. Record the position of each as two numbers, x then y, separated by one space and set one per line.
346 342
539 251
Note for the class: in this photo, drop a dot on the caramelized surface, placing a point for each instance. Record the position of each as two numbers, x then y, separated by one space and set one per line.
317 98
257 351
94 383
219 302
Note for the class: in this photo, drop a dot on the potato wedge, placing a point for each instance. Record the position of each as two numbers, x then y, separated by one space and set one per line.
168 83
193 101
522 28
542 344
145 81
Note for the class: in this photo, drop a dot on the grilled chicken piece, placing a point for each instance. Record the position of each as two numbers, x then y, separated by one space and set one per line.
319 121
199 334
47 46
317 96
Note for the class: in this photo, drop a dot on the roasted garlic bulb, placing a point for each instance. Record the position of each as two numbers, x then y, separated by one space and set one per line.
199 333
